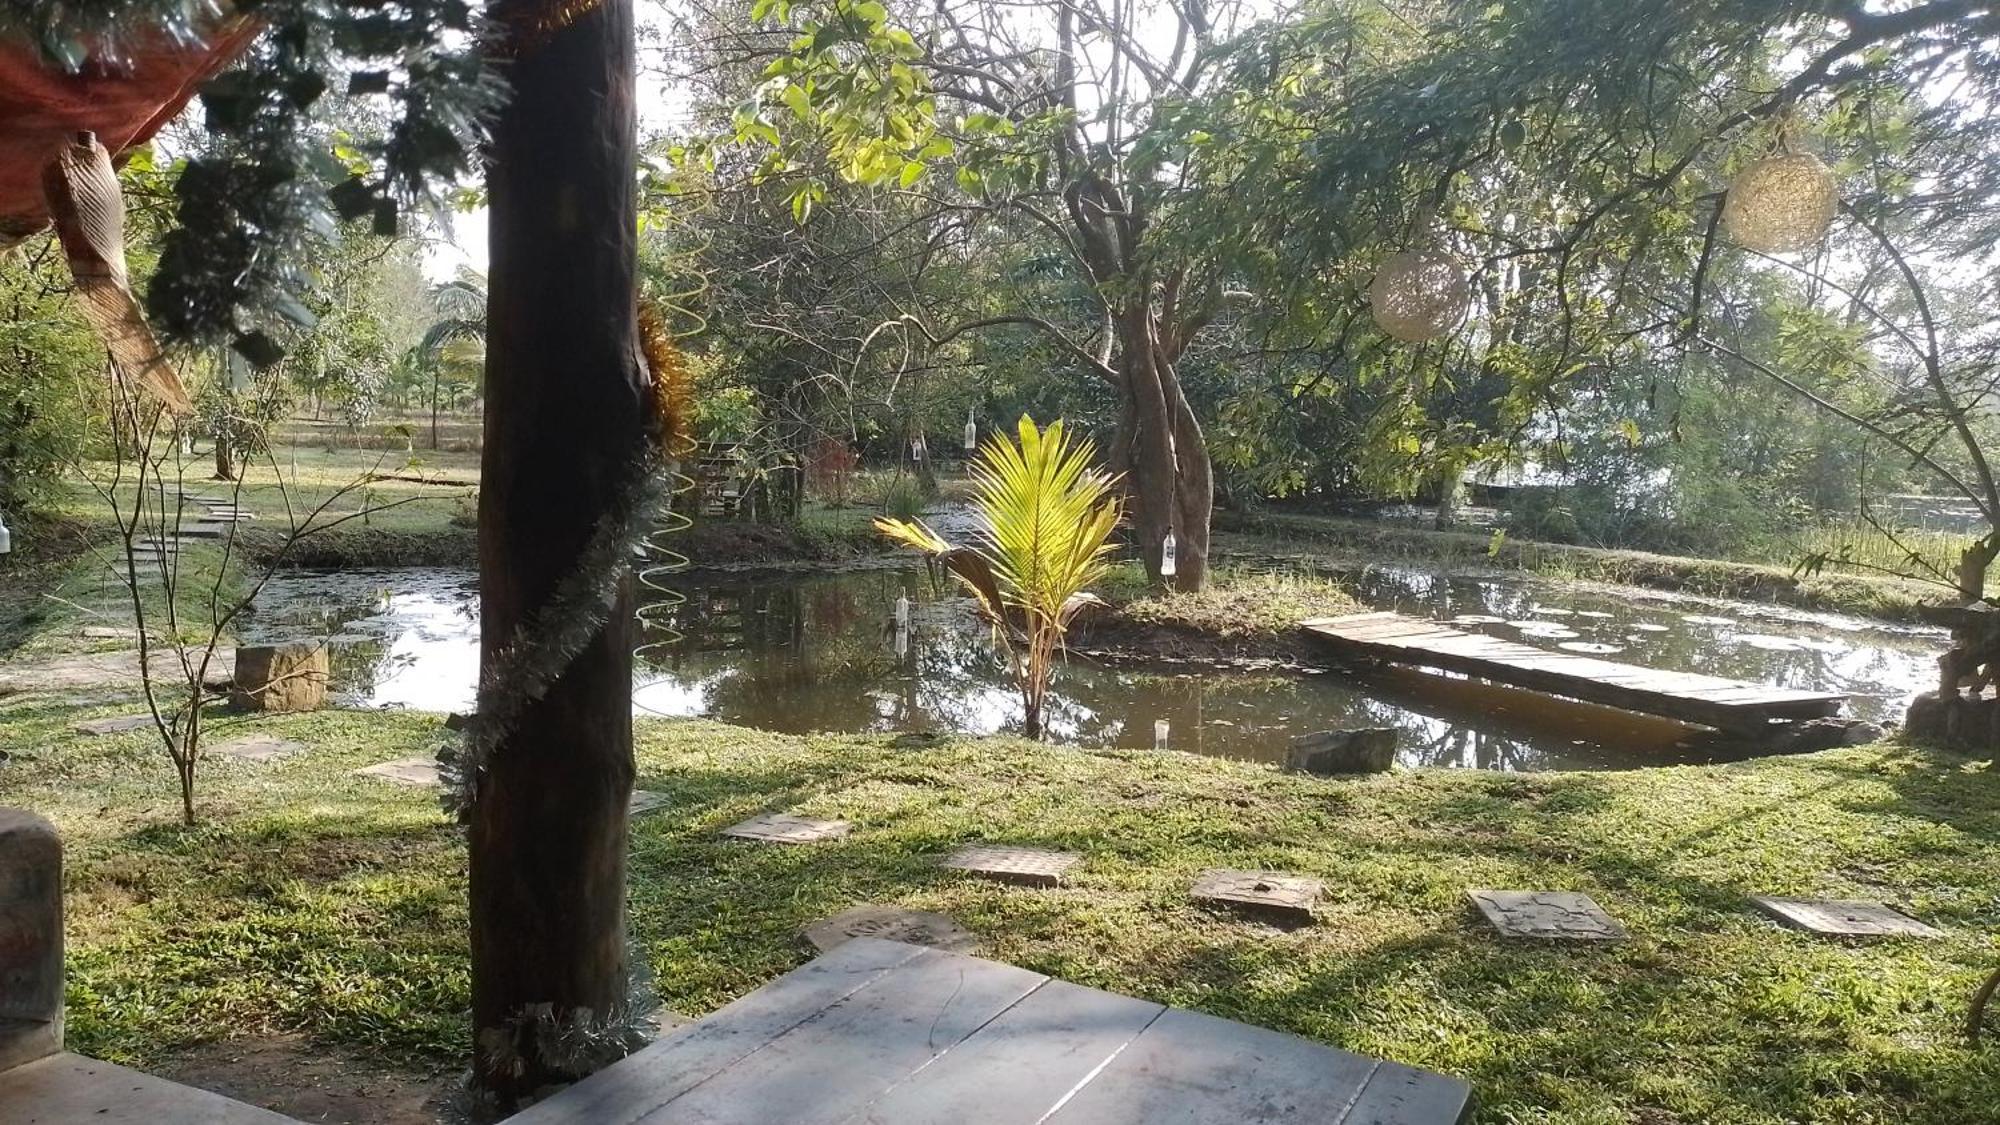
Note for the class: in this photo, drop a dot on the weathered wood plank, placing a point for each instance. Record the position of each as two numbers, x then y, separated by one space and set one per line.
1019 1067
1690 697
1399 1095
834 1064
1195 1069
891 1034
66 1089
698 1051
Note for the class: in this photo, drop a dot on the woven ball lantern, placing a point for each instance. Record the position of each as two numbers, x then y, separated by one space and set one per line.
1781 204
1419 295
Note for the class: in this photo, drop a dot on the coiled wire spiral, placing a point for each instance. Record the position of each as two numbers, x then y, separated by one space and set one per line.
673 389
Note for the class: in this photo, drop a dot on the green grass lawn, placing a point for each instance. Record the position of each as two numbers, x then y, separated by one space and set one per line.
316 902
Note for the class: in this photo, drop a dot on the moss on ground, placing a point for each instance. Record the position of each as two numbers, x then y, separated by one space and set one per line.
313 901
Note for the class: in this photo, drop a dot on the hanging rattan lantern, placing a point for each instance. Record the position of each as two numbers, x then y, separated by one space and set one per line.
1781 204
1419 295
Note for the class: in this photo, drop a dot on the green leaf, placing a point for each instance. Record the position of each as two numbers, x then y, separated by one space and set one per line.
795 98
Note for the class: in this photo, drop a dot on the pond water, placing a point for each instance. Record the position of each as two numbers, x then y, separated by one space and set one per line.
794 653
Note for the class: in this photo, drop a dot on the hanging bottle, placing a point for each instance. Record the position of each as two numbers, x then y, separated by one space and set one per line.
1167 569
971 432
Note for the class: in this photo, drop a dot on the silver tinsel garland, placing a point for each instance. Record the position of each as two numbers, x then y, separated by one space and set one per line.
543 648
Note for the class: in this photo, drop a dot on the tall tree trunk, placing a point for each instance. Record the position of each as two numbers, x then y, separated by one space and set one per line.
434 408
564 426
1159 446
1973 563
225 461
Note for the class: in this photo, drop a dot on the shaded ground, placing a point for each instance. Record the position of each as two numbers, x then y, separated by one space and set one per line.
317 903
318 1083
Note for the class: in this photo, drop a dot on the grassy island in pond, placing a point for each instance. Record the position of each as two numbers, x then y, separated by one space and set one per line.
320 903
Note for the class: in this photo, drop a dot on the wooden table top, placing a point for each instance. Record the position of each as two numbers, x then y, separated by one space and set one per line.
878 1031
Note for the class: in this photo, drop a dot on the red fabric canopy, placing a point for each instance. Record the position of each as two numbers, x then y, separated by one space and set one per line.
42 106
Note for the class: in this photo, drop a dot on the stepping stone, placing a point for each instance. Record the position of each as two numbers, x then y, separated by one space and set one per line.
419 772
645 801
118 725
784 828
207 530
1030 867
108 633
1275 892
258 748
891 923
1558 915
1843 918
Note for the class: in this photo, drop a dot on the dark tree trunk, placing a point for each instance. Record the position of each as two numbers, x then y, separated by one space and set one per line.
225 461
1973 563
1160 448
564 426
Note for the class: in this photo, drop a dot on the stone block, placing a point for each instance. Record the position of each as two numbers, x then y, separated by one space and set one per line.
116 724
891 923
414 772
1368 750
1555 915
1030 867
31 938
287 677
259 748
1840 918
1290 897
784 828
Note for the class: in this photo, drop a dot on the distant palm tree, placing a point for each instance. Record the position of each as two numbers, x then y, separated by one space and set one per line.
458 336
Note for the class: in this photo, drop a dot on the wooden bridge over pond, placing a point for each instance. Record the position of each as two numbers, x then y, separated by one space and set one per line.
1713 701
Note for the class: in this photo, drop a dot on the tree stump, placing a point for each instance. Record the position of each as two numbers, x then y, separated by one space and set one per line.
1368 750
31 938
288 677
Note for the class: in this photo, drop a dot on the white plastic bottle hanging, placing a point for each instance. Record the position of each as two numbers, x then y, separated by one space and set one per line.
971 432
1167 556
902 611
6 538
1161 728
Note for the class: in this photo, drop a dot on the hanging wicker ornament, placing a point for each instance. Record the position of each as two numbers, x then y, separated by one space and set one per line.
1419 295
1781 204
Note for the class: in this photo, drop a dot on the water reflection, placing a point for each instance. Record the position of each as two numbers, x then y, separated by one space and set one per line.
819 653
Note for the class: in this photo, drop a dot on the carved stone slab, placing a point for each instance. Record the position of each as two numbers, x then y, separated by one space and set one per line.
1556 915
1843 918
645 801
891 923
1030 867
784 828
118 724
258 748
405 771
1267 891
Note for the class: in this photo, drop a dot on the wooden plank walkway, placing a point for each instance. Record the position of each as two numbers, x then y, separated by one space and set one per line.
877 1031
1708 700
